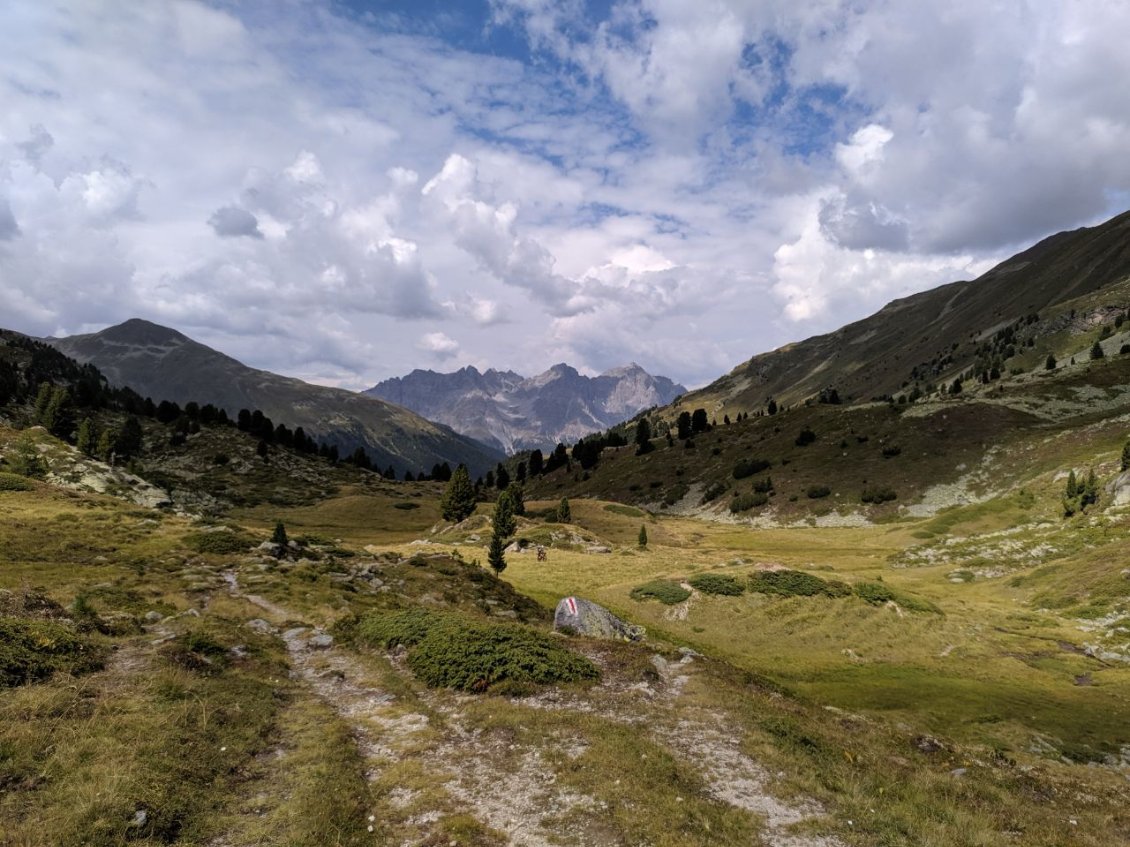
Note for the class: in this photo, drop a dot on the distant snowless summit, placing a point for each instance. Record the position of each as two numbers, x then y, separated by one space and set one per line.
512 412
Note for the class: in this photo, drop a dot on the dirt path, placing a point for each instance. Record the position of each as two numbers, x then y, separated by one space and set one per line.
509 787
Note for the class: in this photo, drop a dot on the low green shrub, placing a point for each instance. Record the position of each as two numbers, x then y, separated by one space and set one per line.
405 506
714 491
716 583
763 486
748 467
665 591
878 495
816 492
744 502
197 651
32 650
676 493
451 650
788 583
14 482
220 543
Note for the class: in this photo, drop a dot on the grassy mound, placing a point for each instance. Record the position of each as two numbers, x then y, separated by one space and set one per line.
716 583
663 590
32 650
877 594
796 584
450 650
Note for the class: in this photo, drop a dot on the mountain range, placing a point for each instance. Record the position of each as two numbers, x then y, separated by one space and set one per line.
164 364
511 412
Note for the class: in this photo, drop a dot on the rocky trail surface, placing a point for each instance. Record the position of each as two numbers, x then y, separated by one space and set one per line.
507 767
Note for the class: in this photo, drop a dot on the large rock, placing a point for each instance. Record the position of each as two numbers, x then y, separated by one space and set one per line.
585 617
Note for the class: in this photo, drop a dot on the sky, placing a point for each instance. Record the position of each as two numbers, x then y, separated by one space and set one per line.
345 191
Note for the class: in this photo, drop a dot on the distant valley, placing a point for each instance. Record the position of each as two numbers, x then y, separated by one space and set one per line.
511 413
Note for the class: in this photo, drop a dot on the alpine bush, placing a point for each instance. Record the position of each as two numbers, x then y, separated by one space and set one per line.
744 502
451 650
716 583
748 467
665 591
786 583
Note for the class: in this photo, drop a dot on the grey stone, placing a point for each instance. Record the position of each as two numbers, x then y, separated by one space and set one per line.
585 617
140 819
321 641
260 626
153 616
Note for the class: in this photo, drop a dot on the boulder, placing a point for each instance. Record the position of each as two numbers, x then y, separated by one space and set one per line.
1120 488
585 617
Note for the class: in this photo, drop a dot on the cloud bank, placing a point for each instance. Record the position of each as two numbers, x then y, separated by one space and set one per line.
345 196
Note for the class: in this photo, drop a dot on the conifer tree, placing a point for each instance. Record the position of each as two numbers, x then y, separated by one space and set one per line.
42 400
1126 456
1097 351
458 501
505 524
25 459
1050 363
517 498
496 557
643 437
87 437
643 536
279 535
564 515
105 450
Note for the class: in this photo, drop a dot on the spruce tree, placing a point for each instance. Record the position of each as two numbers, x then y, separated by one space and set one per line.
505 524
25 459
87 437
458 501
105 450
1097 351
42 401
517 499
643 536
1126 456
1049 363
564 515
643 437
496 557
279 535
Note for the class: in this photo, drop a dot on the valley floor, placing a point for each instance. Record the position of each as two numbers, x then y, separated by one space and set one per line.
973 704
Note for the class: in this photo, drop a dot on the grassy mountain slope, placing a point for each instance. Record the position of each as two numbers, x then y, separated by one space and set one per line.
166 365
936 332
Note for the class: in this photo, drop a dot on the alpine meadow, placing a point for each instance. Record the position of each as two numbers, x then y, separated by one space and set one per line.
594 424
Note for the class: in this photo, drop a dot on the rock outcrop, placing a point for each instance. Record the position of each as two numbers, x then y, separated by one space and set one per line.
585 617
